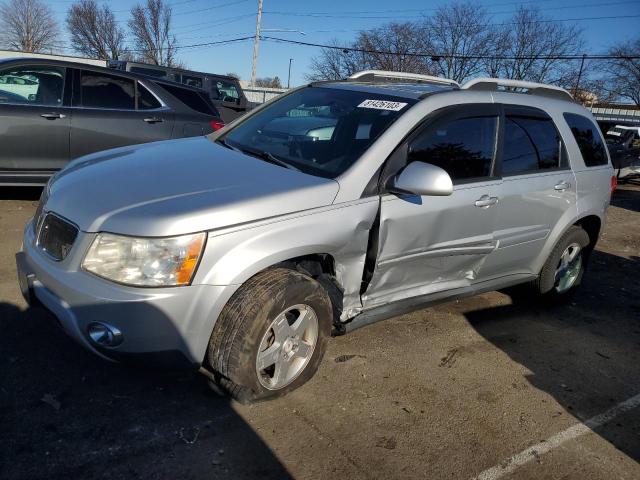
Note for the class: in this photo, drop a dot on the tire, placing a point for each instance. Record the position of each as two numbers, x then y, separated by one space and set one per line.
270 318
563 271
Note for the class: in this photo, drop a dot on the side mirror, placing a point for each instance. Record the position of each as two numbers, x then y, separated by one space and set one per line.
422 178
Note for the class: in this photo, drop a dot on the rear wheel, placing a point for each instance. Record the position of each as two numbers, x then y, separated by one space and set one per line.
271 336
562 272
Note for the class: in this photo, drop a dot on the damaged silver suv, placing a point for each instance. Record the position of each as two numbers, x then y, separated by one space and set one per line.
328 208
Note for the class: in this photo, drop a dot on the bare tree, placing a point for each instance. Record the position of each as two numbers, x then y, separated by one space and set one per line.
535 43
94 31
459 33
269 82
28 26
151 30
394 46
624 72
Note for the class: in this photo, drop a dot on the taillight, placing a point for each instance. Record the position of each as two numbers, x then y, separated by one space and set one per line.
216 125
614 184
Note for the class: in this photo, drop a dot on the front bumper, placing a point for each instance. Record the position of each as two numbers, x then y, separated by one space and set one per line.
162 326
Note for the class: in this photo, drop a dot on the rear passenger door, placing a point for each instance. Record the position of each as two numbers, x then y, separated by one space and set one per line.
538 189
113 111
428 244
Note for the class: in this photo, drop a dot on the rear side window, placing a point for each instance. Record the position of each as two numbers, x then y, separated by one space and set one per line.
191 99
588 139
464 148
530 144
224 91
146 100
100 90
192 81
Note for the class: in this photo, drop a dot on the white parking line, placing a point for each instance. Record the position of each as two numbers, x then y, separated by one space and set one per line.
519 459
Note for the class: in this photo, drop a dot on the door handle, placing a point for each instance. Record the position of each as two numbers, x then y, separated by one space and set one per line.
485 201
562 186
153 120
52 116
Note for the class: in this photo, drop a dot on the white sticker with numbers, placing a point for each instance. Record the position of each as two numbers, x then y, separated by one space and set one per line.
383 105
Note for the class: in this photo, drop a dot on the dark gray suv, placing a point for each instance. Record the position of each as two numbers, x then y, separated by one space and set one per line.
53 111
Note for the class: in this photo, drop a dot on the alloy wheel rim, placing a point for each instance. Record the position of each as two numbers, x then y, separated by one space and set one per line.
287 347
568 269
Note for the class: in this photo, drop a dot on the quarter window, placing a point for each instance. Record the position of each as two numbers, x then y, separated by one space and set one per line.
464 148
102 90
146 100
33 85
530 144
588 139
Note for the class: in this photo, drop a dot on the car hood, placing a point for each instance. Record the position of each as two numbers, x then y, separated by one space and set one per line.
179 186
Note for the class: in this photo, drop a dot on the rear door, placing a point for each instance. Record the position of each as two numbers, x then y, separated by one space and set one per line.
114 111
430 244
538 188
34 118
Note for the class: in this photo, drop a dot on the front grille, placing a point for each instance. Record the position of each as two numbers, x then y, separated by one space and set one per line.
56 236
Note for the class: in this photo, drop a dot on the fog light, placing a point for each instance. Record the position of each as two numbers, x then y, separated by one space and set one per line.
104 335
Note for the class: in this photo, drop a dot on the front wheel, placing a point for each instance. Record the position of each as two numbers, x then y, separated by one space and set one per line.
562 272
271 336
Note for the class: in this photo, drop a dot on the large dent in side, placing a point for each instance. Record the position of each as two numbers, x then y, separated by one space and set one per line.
234 255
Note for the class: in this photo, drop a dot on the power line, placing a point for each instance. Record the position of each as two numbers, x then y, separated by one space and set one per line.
435 55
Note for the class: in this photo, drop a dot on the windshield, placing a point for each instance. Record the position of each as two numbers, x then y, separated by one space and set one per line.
321 131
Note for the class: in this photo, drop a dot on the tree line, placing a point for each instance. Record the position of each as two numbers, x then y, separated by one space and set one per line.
461 41
30 26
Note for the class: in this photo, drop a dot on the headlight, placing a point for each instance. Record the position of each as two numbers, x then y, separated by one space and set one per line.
145 262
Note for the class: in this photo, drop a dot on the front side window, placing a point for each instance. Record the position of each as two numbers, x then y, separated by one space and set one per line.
35 85
464 148
319 130
588 139
530 144
100 90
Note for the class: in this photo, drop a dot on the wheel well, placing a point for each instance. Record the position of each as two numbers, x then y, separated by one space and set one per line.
322 268
591 225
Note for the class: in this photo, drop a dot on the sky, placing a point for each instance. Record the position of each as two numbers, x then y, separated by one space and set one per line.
202 21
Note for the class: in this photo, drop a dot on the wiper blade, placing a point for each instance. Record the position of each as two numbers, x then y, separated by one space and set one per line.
263 155
224 143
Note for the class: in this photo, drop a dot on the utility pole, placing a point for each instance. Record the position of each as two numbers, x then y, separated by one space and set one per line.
256 44
575 90
289 77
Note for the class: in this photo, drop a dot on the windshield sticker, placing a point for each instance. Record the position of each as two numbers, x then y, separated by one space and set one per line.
383 105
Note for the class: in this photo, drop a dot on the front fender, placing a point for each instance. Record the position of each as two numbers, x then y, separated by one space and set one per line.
234 255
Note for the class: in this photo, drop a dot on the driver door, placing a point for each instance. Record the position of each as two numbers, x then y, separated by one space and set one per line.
428 244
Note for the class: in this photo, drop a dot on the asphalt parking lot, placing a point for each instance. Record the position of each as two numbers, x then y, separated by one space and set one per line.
489 386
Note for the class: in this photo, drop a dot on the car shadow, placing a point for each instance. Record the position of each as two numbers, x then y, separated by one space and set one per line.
627 198
585 354
66 413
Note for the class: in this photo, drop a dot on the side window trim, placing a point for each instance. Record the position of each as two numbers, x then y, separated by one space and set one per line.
163 105
531 112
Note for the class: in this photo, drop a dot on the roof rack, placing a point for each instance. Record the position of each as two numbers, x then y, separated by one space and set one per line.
517 86
372 75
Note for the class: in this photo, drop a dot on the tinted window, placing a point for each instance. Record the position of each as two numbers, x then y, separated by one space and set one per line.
224 91
191 99
152 72
146 100
464 147
192 81
322 131
588 139
530 144
101 90
32 85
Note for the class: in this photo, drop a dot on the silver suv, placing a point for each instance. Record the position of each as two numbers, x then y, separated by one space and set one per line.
328 208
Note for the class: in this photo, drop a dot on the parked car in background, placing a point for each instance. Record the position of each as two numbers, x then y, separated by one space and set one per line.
225 91
54 111
336 205
624 147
